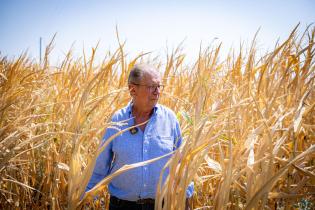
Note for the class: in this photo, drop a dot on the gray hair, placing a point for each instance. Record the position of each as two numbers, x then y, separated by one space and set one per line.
138 71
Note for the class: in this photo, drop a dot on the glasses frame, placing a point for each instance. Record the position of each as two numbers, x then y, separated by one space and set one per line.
151 88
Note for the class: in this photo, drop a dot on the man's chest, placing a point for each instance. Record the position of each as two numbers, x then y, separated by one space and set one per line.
157 139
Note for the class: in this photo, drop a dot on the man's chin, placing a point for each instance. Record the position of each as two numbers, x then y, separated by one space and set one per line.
153 102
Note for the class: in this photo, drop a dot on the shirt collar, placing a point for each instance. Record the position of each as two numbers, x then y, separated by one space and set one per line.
130 104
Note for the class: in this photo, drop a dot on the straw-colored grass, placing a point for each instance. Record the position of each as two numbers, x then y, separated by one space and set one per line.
248 124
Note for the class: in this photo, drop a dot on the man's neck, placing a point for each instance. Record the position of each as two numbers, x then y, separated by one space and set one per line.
141 114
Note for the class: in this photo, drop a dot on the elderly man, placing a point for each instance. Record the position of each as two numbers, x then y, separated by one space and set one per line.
136 188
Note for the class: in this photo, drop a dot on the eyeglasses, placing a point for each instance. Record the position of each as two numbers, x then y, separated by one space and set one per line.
152 88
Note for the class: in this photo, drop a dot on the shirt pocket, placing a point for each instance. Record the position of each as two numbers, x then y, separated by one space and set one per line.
162 145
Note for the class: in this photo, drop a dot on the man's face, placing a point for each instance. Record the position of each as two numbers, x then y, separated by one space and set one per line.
147 92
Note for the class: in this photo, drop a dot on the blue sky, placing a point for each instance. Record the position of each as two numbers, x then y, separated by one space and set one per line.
146 25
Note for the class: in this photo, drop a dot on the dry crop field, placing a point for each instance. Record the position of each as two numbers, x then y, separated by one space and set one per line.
248 123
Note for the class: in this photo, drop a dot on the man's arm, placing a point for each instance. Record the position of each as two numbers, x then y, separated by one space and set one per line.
103 161
190 188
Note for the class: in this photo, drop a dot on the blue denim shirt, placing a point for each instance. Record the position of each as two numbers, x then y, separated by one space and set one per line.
161 136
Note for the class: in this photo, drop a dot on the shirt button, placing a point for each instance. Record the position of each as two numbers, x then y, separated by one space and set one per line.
144 185
145 150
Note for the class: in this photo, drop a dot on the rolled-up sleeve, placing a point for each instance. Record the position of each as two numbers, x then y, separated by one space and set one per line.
190 190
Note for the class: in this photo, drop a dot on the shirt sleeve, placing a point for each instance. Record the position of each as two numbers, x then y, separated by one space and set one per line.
103 161
178 142
178 135
190 190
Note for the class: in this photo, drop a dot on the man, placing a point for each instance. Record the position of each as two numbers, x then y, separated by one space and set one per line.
135 189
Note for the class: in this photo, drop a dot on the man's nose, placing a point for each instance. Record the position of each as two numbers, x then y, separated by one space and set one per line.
156 90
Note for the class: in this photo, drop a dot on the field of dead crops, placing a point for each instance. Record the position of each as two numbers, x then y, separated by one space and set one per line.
248 123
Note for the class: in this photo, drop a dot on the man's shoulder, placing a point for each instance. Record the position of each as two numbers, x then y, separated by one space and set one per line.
121 114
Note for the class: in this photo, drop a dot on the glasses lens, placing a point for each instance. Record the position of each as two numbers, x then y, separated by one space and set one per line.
154 87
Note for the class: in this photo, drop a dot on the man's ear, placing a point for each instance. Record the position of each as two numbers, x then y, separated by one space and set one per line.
132 90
